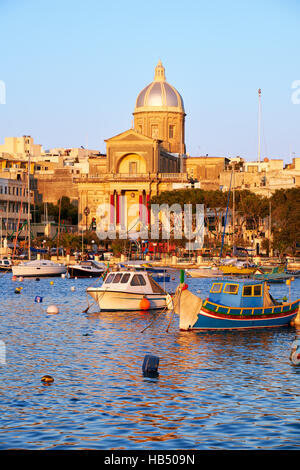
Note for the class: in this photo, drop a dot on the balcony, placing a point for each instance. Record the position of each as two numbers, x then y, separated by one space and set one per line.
104 177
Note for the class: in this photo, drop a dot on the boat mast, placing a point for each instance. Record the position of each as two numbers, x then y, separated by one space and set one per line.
259 124
28 207
225 222
233 211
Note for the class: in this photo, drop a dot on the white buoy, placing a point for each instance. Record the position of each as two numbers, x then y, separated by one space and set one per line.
72 288
295 353
21 279
63 276
52 309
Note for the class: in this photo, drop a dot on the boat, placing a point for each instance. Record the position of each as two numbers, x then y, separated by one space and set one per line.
234 267
130 291
39 268
233 305
158 274
271 274
207 271
5 264
88 268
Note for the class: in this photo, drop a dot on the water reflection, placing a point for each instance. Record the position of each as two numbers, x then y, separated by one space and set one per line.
214 390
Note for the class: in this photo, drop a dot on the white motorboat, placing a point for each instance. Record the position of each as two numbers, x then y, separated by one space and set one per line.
209 271
130 291
5 264
39 268
88 268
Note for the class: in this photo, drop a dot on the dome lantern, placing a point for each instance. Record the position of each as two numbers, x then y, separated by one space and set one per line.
159 73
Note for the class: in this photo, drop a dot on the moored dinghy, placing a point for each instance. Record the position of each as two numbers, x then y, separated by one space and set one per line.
130 291
233 305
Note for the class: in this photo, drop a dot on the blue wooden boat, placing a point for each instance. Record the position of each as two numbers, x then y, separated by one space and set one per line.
233 305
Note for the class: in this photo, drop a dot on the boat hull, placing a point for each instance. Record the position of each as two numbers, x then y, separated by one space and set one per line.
77 272
204 273
125 301
5 268
48 271
219 317
236 271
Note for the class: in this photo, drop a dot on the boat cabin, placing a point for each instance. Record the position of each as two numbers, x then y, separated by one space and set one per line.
241 294
131 281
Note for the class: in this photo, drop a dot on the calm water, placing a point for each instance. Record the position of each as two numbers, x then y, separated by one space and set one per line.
230 390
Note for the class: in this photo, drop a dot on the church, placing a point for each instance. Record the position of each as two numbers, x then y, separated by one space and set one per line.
140 162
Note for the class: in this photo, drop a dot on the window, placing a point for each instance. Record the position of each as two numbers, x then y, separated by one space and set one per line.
257 290
171 131
216 287
247 291
109 278
138 280
154 132
132 168
231 289
125 278
117 278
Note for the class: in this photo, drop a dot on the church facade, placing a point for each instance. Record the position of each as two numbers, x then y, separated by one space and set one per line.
139 163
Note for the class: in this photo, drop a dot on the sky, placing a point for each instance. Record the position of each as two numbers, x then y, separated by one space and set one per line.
71 71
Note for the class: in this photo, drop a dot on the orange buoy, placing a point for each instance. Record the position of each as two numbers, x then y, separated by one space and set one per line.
47 379
144 304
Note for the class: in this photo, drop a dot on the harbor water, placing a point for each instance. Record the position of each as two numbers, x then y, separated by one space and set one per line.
215 390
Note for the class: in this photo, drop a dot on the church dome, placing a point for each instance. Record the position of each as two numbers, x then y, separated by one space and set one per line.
159 94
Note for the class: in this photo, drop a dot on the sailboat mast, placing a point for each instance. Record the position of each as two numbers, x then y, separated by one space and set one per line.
259 124
28 208
233 211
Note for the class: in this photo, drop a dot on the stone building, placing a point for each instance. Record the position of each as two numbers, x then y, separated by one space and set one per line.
263 177
139 162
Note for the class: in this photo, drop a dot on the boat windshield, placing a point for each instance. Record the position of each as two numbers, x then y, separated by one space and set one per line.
138 280
115 278
216 287
109 278
252 291
231 289
125 278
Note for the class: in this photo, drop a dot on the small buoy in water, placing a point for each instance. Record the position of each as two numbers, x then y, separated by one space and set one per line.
37 279
150 365
14 278
21 279
144 304
51 282
75 277
295 353
52 309
72 288
63 276
47 379
38 299
18 290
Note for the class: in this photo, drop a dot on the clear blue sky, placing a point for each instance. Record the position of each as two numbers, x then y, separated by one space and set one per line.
73 70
